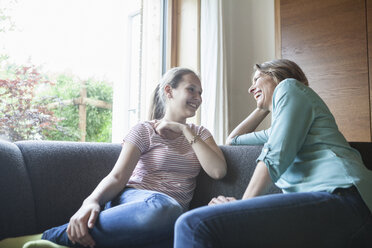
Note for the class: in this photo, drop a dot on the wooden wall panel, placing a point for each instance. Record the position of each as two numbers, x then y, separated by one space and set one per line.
278 35
327 38
369 39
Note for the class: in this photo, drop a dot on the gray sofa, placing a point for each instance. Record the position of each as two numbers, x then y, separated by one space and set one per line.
43 183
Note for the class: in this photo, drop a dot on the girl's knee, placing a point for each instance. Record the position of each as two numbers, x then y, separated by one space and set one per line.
163 203
163 210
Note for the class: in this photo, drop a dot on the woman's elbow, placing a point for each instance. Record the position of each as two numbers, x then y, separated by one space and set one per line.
228 141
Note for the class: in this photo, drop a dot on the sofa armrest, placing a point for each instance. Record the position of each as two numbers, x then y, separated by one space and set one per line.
17 203
63 174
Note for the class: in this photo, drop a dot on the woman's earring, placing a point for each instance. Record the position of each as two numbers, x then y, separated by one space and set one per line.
169 95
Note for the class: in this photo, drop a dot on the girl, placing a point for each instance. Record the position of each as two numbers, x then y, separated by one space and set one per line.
152 182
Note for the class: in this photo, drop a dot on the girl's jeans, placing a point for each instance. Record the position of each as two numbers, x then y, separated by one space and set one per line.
136 218
318 219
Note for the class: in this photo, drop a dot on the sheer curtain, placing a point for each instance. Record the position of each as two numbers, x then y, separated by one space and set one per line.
214 110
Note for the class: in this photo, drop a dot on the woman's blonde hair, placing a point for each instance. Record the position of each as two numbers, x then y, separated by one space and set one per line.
172 78
281 69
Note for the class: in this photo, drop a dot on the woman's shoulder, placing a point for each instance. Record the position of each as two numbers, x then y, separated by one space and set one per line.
291 84
293 88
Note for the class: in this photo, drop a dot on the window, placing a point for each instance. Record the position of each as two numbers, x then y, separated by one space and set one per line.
77 70
143 67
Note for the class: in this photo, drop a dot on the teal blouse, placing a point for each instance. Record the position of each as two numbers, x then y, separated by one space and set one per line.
304 150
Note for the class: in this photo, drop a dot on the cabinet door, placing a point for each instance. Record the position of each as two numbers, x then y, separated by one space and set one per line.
328 39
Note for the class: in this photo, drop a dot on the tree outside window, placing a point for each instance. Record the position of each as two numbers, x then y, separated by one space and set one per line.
68 67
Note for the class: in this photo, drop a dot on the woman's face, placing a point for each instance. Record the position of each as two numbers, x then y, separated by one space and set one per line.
262 88
186 98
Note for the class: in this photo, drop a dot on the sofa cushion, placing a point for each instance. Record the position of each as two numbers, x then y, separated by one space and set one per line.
241 162
17 204
63 174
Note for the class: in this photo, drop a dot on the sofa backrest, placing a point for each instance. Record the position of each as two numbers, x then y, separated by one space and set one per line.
365 150
241 161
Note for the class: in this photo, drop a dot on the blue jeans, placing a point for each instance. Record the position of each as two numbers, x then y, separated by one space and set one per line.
136 218
317 219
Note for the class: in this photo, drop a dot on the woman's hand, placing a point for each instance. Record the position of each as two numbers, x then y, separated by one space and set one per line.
169 129
84 218
220 200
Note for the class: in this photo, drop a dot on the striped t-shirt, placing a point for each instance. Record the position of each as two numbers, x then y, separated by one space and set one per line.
167 166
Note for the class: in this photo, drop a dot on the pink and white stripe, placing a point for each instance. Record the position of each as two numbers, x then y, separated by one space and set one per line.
167 166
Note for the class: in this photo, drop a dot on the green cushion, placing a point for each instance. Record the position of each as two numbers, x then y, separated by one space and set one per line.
29 241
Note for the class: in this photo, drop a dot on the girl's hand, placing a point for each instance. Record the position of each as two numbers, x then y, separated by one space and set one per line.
220 200
80 223
169 129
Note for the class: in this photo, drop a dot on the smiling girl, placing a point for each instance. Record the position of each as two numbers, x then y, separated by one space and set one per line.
152 182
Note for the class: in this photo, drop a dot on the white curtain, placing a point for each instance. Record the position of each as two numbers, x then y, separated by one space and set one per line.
214 110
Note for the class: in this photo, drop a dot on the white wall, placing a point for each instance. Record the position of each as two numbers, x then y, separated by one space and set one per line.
250 39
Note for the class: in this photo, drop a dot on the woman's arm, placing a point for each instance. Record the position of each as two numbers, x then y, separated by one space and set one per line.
106 190
292 118
258 185
259 182
208 153
248 125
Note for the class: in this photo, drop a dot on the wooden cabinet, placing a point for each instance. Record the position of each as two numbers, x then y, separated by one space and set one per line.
332 42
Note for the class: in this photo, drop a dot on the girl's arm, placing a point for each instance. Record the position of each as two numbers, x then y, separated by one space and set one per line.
106 190
249 124
119 176
208 153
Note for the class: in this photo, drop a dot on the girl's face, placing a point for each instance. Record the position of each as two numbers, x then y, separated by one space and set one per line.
262 88
186 98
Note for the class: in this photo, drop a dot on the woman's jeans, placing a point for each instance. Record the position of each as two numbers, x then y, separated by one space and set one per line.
136 218
319 219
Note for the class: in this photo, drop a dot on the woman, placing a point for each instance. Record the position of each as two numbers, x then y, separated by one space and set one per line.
154 177
327 198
